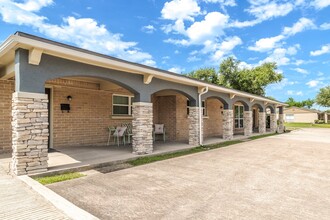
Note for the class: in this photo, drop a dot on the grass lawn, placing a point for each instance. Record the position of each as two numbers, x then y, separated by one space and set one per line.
305 125
58 178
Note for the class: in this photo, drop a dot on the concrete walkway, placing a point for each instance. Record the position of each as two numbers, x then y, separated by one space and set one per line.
280 177
18 201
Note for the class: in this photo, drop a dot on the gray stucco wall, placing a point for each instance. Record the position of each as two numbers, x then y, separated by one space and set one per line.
32 78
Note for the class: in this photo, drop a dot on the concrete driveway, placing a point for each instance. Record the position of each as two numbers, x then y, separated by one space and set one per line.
280 177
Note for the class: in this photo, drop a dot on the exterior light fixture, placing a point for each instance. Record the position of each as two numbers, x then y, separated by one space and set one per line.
69 98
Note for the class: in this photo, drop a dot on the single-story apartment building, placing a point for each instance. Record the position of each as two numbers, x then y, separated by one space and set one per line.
303 115
53 95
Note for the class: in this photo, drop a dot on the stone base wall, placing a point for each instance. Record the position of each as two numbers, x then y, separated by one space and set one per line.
273 122
228 124
194 126
248 123
281 123
262 122
30 133
142 128
6 93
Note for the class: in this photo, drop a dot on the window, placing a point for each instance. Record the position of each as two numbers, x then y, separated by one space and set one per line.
121 105
239 111
289 117
203 107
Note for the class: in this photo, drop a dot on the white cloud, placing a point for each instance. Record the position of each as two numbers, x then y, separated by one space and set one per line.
278 56
34 5
193 59
222 2
264 10
180 9
324 49
289 92
300 70
176 70
319 4
325 26
279 86
301 25
243 24
212 26
224 48
266 44
312 83
149 29
83 32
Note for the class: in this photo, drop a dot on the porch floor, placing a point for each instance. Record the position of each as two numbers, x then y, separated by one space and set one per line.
66 158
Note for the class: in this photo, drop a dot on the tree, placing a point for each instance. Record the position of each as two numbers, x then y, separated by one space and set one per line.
323 97
231 75
305 103
308 103
206 74
252 80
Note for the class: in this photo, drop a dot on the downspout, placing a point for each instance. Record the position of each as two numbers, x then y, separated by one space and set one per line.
201 92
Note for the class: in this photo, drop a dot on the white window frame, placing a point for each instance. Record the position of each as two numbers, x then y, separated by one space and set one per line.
130 99
238 117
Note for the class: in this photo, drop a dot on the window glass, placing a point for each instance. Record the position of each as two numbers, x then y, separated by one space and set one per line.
239 115
123 100
121 105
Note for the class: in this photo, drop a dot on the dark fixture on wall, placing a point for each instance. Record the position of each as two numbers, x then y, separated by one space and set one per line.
69 98
65 108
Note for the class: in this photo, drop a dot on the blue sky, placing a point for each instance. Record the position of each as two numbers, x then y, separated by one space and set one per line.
184 35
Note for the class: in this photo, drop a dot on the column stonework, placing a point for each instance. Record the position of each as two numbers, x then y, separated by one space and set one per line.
142 142
29 133
281 123
228 124
262 122
248 123
273 123
194 126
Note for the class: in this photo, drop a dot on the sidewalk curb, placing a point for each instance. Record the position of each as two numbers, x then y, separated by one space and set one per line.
68 208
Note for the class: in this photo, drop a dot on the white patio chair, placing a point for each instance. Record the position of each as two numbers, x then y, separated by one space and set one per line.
159 129
119 133
128 132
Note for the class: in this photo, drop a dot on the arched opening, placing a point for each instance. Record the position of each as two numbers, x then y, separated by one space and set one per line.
82 109
239 107
213 118
257 110
171 109
271 121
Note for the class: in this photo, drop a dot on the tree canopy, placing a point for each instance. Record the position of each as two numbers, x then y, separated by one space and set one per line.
308 103
206 74
232 75
323 97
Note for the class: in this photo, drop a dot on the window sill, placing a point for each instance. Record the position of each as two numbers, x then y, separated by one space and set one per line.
206 117
121 117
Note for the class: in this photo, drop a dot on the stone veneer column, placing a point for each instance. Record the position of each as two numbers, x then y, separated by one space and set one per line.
29 133
194 126
248 123
273 122
142 128
262 122
281 123
228 124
